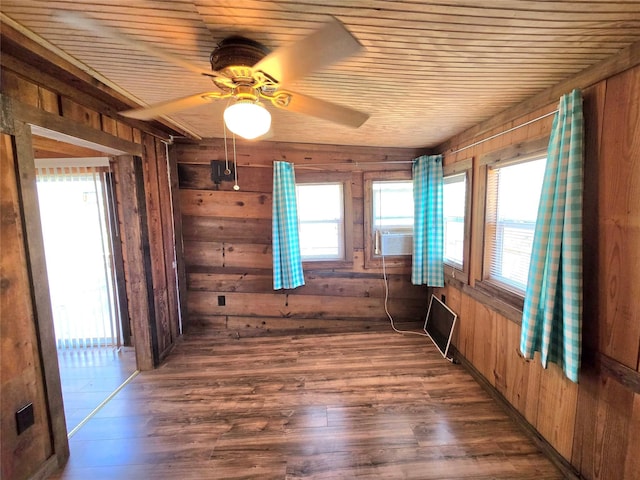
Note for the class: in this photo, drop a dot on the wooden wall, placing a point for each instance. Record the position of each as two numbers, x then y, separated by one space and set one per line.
227 245
154 203
59 98
594 425
21 378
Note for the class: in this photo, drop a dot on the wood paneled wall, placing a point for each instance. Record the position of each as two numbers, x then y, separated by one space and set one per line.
21 374
608 426
61 102
155 199
227 245
595 424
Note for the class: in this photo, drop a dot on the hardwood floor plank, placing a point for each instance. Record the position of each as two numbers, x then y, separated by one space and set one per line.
89 375
370 405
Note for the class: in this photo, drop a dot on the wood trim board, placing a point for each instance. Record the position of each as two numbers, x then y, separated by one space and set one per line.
59 128
40 287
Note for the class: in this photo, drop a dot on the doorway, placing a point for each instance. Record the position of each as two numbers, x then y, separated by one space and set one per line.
84 269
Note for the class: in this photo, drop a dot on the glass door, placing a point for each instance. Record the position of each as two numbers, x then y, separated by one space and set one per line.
75 224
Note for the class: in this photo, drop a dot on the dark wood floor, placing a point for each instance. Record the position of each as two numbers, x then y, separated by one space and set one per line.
370 405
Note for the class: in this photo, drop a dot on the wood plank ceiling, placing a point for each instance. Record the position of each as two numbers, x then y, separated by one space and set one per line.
430 69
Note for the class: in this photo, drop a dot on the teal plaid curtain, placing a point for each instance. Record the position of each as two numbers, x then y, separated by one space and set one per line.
552 316
287 262
428 233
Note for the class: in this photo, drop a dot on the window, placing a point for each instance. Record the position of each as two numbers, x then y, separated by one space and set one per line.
453 206
323 221
325 218
513 195
456 206
454 196
392 217
388 218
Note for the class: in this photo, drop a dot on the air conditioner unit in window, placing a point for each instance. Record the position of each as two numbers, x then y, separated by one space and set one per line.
394 242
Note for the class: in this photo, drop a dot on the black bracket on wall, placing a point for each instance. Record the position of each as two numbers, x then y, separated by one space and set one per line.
221 171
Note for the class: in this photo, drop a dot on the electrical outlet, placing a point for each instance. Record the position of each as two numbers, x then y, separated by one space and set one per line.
24 418
222 301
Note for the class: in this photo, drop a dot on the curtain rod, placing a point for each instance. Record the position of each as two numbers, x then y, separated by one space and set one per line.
311 165
506 131
316 165
355 164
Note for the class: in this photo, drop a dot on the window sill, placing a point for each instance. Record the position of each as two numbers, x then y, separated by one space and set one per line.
311 265
493 302
456 273
511 298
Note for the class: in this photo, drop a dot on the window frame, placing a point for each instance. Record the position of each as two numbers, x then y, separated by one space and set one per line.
371 260
512 155
319 178
462 167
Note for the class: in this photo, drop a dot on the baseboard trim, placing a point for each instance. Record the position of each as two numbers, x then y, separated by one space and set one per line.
48 468
551 453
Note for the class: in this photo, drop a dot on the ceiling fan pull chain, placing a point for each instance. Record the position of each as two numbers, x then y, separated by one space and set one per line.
236 187
226 154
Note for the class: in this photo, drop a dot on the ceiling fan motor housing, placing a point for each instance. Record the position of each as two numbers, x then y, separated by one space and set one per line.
237 51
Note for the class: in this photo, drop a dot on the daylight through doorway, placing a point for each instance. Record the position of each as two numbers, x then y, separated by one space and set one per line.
75 225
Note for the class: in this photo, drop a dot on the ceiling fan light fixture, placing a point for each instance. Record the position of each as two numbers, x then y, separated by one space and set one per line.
247 119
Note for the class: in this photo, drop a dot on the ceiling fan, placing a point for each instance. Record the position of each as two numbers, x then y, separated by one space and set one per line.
246 73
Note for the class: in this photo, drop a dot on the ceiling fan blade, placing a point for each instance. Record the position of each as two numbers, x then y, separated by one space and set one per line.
83 22
171 106
329 45
326 110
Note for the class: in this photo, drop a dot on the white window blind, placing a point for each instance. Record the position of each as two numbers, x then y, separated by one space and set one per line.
454 195
321 221
513 195
74 215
